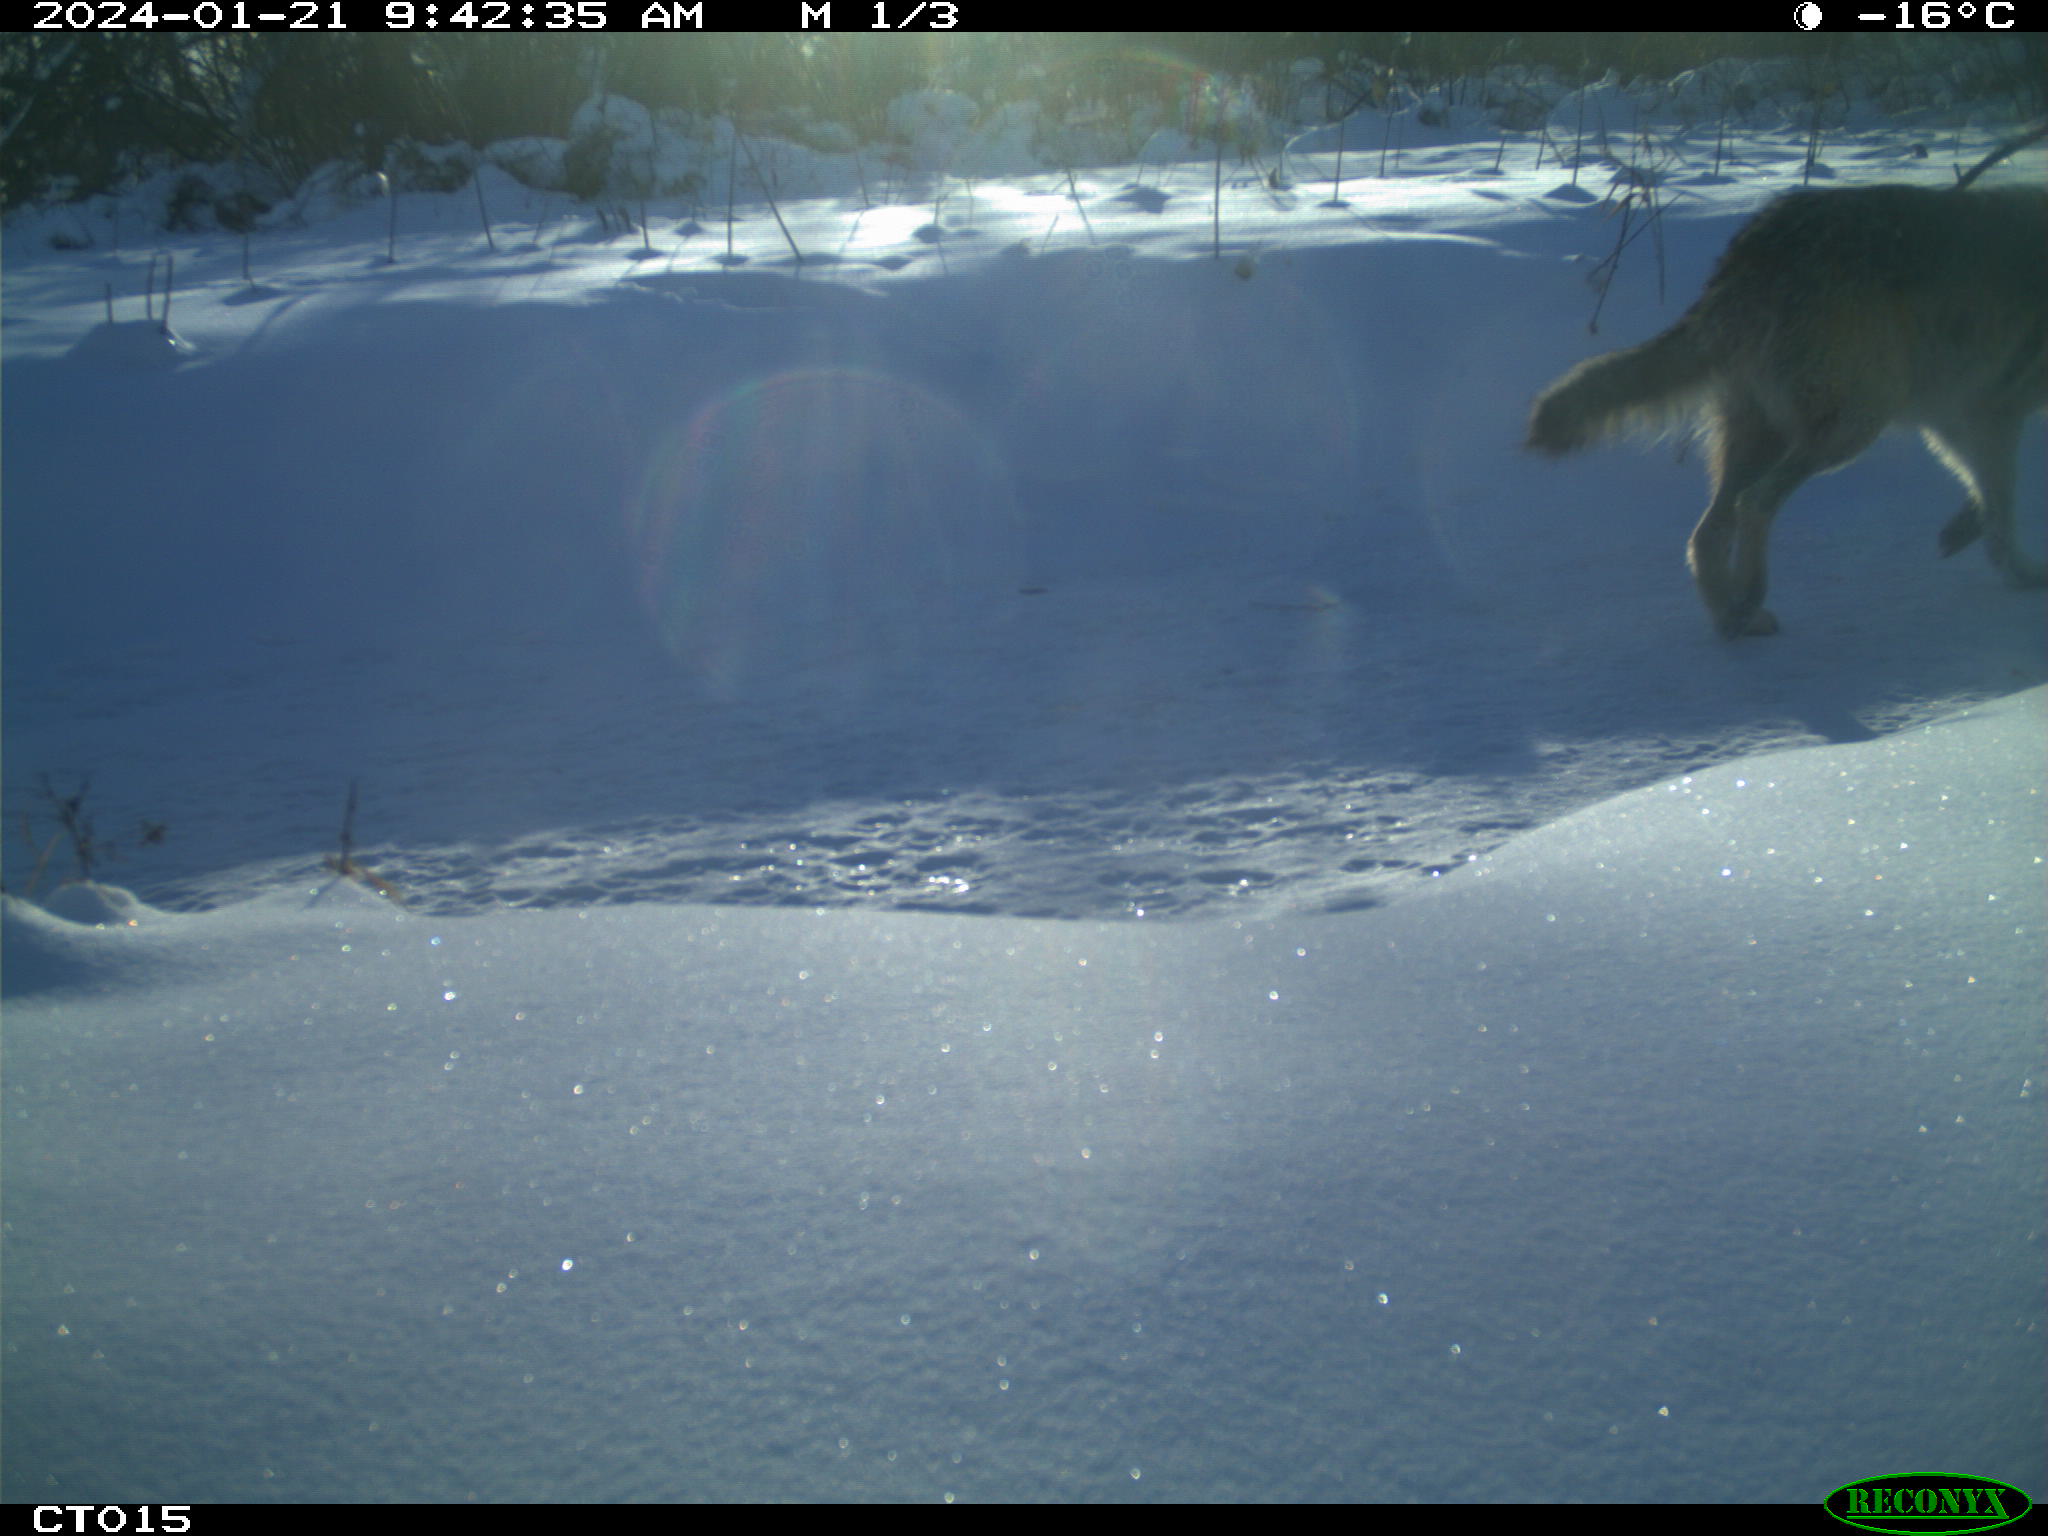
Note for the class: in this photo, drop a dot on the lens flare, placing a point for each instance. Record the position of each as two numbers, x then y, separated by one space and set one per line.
834 519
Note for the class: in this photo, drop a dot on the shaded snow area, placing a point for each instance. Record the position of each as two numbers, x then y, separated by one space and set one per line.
1035 866
1062 571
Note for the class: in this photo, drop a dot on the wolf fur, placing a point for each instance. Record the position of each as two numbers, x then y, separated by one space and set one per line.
1831 316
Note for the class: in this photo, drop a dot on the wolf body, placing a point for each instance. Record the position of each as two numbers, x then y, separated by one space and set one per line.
1831 316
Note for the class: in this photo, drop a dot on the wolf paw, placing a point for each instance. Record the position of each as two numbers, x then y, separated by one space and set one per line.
1737 622
1959 531
2024 575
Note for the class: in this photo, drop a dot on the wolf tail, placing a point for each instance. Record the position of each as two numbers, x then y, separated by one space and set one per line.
1651 388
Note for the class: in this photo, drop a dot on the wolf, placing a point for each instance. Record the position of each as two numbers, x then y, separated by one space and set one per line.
1831 316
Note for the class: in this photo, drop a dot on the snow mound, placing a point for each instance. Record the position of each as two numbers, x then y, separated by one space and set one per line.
1846 824
1596 1174
87 938
84 935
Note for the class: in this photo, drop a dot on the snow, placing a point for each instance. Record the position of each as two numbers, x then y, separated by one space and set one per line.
1037 867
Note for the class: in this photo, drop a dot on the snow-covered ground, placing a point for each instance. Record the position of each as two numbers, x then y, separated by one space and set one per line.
1038 566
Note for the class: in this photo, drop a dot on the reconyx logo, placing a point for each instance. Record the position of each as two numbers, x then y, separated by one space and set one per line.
1927 1501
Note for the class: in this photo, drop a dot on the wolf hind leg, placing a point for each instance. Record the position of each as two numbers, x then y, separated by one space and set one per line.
1981 450
1736 599
1742 446
1753 468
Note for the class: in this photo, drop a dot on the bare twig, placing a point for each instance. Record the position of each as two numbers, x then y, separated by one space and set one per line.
344 863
